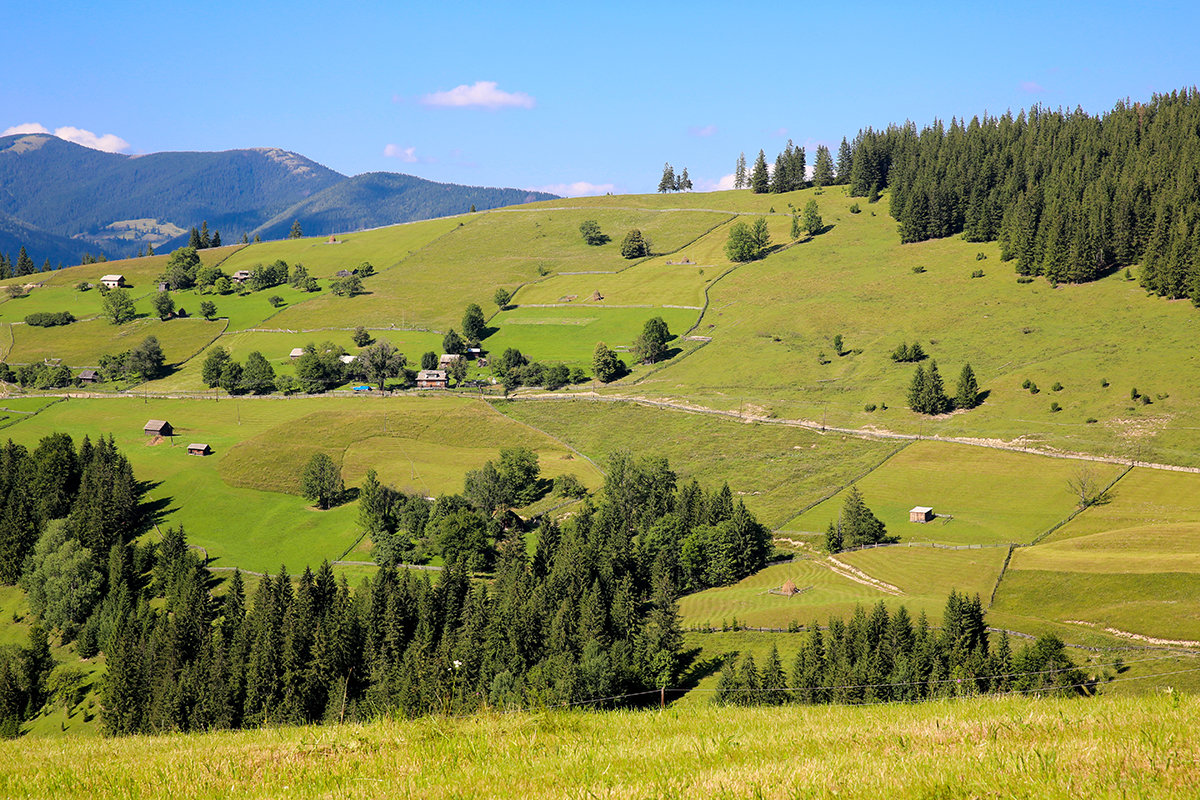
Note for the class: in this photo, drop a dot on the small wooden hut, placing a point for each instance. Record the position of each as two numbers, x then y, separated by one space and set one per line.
199 449
921 514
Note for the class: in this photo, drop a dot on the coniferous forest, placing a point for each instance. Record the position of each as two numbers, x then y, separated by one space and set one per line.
588 612
1068 195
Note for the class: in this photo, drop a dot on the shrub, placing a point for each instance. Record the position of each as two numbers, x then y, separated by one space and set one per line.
82 286
1146 400
869 407
1024 279
981 256
1033 388
1091 421
1027 384
977 273
918 270
1055 408
48 319
1104 382
275 300
1057 387
854 209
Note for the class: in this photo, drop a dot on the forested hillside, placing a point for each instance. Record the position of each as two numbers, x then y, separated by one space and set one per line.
1069 195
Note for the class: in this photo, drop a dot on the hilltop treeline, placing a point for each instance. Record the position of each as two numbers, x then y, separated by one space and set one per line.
882 657
1069 195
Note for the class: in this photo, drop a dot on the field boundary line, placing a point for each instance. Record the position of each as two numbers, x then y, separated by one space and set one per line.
841 488
492 405
1079 510
1000 577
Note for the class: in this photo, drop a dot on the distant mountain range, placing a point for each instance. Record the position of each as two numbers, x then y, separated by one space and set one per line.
61 200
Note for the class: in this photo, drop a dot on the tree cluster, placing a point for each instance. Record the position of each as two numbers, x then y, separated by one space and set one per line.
746 242
589 229
635 245
878 656
670 182
144 362
49 319
927 394
515 369
256 376
607 366
590 614
651 345
856 525
201 239
908 353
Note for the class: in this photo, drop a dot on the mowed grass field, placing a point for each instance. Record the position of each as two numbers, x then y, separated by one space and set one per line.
1060 749
236 504
991 496
924 576
775 470
1131 564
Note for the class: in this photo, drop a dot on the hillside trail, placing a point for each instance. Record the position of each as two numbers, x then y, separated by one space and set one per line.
872 433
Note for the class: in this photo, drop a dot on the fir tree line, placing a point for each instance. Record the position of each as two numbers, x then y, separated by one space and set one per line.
790 170
886 657
1068 195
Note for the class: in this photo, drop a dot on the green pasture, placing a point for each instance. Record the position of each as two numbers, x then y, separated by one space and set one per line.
235 504
771 319
84 342
924 575
1146 502
426 444
990 496
383 247
776 470
498 249
570 334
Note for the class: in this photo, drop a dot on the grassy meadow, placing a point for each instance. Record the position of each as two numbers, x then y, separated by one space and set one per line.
984 747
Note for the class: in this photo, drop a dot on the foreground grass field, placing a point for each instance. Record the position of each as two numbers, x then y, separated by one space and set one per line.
1010 747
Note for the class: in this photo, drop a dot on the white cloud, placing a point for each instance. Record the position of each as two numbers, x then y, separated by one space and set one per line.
482 93
109 142
719 185
26 127
577 189
1032 87
406 154
707 130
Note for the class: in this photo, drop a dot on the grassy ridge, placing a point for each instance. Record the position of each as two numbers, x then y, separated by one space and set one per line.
1005 747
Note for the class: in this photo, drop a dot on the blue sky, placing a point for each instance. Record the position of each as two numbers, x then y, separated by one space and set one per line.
563 96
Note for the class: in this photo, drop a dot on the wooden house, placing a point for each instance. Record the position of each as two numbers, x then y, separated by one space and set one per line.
113 281
296 353
159 427
199 449
447 360
240 277
89 376
432 379
921 514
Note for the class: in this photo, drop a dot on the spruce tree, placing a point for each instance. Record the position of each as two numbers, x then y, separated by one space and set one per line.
194 240
296 231
667 182
760 177
843 162
685 183
25 265
740 179
205 238
823 168
968 389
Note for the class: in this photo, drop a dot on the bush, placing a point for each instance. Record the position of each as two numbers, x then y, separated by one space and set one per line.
48 319
918 270
1055 408
275 300
854 209
869 407
1027 384
1033 388
1104 383
1024 279
569 486
1091 421
1057 387
977 273
82 286
981 256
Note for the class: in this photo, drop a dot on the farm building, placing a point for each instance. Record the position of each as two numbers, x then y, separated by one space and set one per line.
241 276
296 352
89 376
159 427
474 352
199 449
448 359
347 359
163 286
345 273
921 514
432 379
113 281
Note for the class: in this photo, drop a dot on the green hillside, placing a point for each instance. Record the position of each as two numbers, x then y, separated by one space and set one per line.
753 395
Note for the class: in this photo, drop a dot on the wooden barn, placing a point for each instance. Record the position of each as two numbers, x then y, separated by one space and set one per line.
159 427
199 449
432 379
89 376
921 514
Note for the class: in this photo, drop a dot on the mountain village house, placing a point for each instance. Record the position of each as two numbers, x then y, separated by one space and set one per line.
113 281
159 427
432 379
